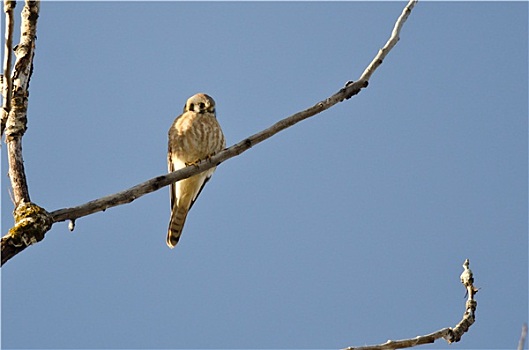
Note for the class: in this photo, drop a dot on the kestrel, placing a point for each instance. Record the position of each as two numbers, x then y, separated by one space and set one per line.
193 136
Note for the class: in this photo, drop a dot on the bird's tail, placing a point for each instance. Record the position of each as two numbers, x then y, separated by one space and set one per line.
178 218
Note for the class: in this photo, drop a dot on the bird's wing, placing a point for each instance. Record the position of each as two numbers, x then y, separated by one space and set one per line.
208 176
170 166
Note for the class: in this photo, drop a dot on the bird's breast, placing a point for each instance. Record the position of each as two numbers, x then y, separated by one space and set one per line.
195 136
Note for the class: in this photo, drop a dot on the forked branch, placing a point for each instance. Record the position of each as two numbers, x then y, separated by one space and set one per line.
19 236
16 95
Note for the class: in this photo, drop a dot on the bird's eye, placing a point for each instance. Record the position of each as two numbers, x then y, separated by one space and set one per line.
202 105
191 106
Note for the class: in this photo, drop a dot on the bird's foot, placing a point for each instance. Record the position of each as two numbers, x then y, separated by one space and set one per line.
195 163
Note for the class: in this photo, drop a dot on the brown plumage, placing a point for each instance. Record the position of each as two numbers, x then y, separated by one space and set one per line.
193 136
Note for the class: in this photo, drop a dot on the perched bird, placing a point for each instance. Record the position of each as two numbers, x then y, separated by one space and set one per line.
194 135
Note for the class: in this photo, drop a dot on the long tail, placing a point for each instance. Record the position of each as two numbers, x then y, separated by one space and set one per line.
178 218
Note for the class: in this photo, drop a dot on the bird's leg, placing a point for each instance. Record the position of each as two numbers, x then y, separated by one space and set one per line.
198 161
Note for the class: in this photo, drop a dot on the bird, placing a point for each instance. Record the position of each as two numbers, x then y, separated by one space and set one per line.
193 136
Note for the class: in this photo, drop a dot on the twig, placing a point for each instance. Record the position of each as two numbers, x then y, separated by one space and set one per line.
129 195
521 342
17 117
392 41
451 335
9 7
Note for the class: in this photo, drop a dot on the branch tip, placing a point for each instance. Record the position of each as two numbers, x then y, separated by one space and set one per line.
451 335
521 342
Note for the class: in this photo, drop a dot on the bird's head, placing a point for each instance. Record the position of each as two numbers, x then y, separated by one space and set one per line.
200 103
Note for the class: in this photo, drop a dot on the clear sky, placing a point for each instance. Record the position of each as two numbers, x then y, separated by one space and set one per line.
347 229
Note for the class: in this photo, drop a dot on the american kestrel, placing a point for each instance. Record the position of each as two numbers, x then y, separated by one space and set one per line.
193 136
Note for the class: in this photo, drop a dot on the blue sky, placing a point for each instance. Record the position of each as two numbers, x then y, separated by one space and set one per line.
348 229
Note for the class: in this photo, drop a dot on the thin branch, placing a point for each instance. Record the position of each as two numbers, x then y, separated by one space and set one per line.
9 7
451 335
17 117
392 41
129 195
158 182
521 342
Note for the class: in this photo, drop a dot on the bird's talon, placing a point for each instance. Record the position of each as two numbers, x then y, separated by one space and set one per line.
195 163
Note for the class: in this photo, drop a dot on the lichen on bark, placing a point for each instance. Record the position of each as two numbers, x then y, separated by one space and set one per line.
31 224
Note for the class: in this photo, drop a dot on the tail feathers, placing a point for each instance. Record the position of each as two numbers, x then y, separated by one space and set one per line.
178 218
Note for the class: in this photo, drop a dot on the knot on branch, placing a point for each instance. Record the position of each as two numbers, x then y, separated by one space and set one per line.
352 88
31 224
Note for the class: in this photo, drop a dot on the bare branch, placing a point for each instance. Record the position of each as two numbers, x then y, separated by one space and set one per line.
467 278
392 41
17 117
521 342
451 335
129 195
158 182
31 221
9 7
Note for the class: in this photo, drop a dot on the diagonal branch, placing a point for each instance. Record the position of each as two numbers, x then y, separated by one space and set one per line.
451 335
351 89
129 195
392 41
521 342
158 182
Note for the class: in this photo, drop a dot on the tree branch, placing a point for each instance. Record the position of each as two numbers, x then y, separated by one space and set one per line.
31 221
9 7
129 195
523 335
31 224
392 41
451 335
17 116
